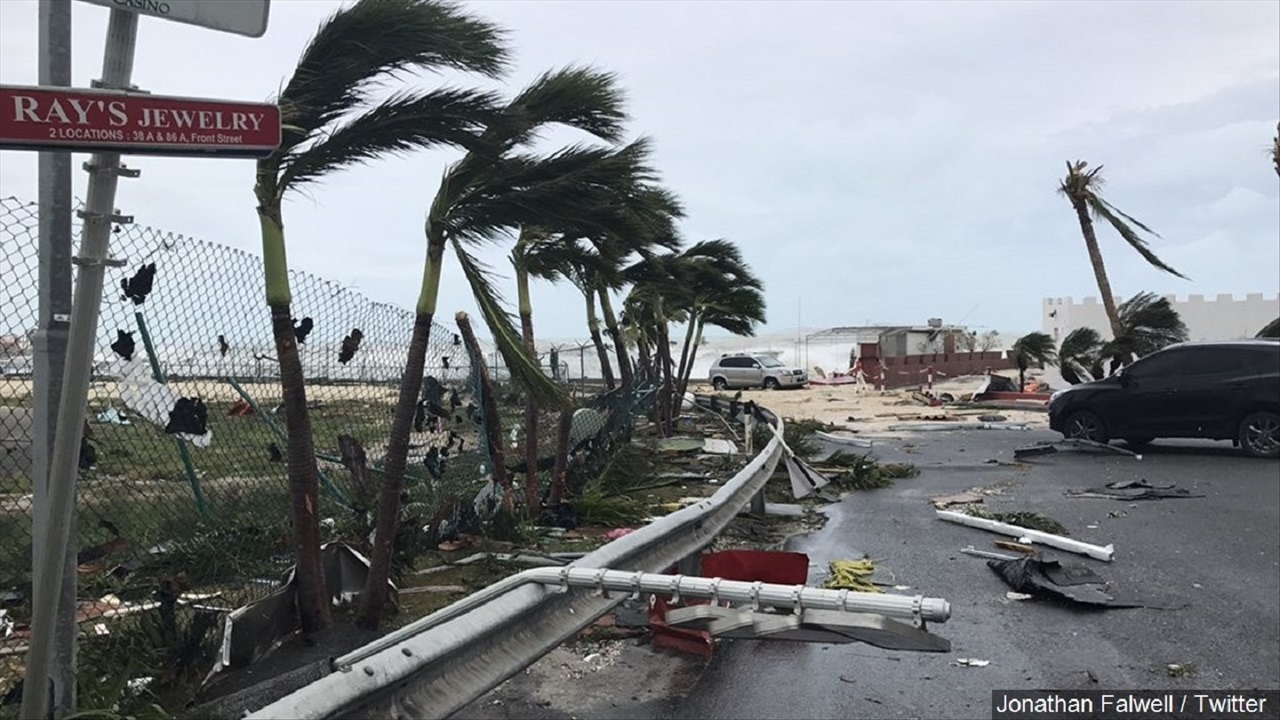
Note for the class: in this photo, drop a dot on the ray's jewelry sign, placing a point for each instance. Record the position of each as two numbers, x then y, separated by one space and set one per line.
40 118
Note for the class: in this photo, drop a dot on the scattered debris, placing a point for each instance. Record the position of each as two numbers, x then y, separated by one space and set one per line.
1094 551
971 550
680 445
1033 520
992 418
1016 547
350 344
1017 596
1117 514
1180 670
617 533
1071 444
843 439
852 575
943 427
964 498
303 328
138 287
1133 490
970 662
112 416
1077 583
124 345
223 346
716 446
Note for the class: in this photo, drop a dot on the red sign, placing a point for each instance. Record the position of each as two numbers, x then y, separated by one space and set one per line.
42 118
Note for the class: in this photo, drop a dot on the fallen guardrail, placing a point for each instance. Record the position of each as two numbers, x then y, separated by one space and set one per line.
437 665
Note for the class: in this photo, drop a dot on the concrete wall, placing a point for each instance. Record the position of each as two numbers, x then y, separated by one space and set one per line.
1222 318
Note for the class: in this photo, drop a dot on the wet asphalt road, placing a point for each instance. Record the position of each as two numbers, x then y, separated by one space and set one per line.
1217 557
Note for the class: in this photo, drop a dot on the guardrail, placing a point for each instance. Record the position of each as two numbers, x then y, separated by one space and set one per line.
437 665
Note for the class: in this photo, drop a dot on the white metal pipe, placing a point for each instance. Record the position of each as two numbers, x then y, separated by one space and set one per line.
915 607
1055 541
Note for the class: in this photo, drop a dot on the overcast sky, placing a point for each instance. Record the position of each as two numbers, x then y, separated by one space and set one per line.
877 162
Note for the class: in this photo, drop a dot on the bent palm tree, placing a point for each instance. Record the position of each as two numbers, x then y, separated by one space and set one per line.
1148 323
329 123
1032 349
491 192
721 290
1080 355
1082 188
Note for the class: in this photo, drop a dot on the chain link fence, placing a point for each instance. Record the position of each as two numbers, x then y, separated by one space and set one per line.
207 512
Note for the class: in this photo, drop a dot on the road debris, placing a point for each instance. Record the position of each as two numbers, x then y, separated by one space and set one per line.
971 550
1016 547
1133 490
852 575
1049 578
970 662
964 498
944 427
1018 596
1071 445
1104 553
1180 670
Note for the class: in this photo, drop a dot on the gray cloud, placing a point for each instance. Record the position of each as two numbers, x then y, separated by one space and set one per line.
876 161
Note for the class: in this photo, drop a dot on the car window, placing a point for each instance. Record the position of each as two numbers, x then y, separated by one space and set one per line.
770 362
1207 361
735 362
1159 365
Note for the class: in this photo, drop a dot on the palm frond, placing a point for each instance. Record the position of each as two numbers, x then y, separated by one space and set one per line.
1117 220
1148 323
577 96
525 370
404 122
363 44
1078 353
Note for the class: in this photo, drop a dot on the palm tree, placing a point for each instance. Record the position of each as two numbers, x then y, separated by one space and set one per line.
1082 187
493 191
1271 330
1148 323
1032 349
1275 150
720 290
1080 355
329 121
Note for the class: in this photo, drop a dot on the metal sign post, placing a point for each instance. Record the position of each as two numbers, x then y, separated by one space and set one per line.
49 344
99 214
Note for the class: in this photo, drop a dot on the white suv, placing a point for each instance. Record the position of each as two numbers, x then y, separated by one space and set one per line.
752 370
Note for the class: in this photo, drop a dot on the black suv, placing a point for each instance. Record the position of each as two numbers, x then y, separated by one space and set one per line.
1212 390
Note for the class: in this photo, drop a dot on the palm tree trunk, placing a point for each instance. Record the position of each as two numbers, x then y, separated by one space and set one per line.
593 323
615 334
1099 269
374 597
489 406
530 405
693 355
690 328
563 429
300 453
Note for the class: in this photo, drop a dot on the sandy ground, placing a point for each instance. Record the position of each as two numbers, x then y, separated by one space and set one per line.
213 390
865 410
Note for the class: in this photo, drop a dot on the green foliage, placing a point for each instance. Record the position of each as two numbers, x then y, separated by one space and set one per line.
1148 323
1030 520
1079 355
861 472
1034 349
799 436
595 507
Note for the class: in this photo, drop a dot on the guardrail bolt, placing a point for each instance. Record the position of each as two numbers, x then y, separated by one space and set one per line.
368 670
407 652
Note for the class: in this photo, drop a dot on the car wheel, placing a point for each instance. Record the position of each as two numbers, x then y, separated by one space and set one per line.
1085 425
720 384
771 383
1138 441
1260 434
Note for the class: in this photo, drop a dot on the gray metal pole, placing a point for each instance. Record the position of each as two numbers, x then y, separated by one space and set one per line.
104 173
50 346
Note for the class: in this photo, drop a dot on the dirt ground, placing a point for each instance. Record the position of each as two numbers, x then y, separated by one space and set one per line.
866 410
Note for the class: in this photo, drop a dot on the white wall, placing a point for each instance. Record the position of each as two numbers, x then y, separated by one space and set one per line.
1220 318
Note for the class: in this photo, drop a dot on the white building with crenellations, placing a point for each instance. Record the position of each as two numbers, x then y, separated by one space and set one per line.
1222 318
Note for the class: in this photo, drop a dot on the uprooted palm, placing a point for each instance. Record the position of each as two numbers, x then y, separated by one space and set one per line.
331 121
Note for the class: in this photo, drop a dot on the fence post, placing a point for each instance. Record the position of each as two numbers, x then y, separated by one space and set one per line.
49 347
